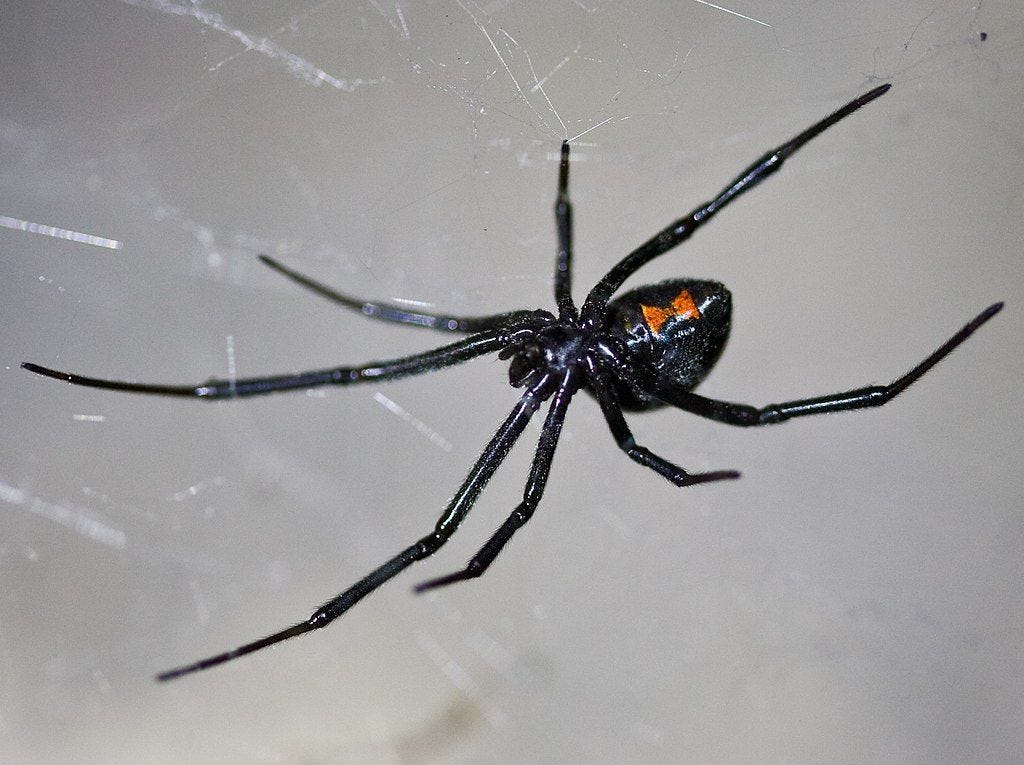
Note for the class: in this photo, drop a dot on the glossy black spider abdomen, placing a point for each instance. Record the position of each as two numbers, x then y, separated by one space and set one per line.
673 333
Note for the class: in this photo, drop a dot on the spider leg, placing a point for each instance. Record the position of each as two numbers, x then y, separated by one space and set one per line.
493 455
455 353
387 312
531 495
682 229
858 398
563 225
639 454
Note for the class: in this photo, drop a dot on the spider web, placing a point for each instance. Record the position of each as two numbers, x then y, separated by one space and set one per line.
151 149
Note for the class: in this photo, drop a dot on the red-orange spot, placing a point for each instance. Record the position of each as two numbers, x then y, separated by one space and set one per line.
682 305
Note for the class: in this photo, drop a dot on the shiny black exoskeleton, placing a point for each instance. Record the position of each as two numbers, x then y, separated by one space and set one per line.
673 333
647 348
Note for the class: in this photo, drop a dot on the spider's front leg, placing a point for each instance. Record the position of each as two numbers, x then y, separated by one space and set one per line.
680 230
563 226
388 312
531 495
454 353
493 455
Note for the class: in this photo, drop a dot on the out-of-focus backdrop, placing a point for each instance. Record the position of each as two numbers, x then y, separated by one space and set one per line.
855 597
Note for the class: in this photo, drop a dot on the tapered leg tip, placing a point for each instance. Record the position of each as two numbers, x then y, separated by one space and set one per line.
444 581
718 475
173 674
45 371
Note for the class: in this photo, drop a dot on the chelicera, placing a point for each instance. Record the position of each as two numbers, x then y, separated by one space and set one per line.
647 348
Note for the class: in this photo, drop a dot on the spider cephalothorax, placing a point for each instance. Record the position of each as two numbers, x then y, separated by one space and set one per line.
647 348
552 349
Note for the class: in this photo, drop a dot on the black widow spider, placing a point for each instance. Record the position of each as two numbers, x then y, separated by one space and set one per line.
647 348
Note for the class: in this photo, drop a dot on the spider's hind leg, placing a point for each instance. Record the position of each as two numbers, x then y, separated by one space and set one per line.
639 454
858 398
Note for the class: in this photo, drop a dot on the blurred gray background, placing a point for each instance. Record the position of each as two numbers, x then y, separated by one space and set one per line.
855 597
